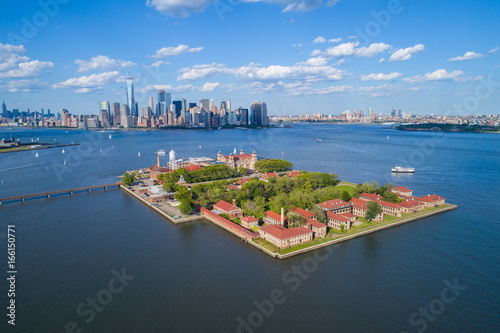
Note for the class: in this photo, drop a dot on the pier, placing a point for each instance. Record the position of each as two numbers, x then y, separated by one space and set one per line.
58 192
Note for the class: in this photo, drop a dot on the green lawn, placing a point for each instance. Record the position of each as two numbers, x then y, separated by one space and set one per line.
349 189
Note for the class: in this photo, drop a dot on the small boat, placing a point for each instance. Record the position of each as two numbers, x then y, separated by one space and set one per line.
234 151
36 154
100 150
64 162
63 151
139 154
199 146
399 169
387 137
110 136
318 139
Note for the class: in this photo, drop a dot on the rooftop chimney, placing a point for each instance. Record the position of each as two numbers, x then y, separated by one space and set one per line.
158 161
282 216
234 202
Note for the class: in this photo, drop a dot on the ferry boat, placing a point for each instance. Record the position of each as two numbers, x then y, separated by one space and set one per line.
398 169
318 139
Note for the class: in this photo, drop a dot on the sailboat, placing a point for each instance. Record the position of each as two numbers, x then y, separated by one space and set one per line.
110 136
36 154
139 154
199 147
387 137
63 151
64 162
234 151
100 150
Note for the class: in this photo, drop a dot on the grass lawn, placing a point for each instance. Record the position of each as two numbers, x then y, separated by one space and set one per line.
349 189
255 228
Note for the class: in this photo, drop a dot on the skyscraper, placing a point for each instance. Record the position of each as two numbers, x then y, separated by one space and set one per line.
258 114
116 113
131 98
162 107
151 103
178 108
183 109
4 110
205 104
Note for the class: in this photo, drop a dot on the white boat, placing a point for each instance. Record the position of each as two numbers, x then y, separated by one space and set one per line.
100 150
318 139
64 162
199 147
161 152
63 151
110 136
387 137
36 154
139 154
399 169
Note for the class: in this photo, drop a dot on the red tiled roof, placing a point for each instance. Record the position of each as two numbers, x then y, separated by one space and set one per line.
349 215
242 181
431 198
293 174
303 212
234 187
358 203
388 204
410 203
315 223
156 168
401 189
337 217
373 196
192 167
271 174
284 233
225 206
332 203
274 216
249 219
239 157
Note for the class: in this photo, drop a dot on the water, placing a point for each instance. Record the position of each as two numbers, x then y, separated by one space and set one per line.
198 278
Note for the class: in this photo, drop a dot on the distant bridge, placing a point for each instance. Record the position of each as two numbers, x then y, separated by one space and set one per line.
58 192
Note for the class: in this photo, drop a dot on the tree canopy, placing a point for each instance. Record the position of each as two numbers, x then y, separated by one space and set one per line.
373 209
273 165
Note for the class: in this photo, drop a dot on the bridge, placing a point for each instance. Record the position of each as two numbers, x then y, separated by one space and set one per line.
58 192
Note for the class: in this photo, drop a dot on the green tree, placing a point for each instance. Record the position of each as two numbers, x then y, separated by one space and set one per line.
273 165
184 197
320 213
345 196
128 179
373 209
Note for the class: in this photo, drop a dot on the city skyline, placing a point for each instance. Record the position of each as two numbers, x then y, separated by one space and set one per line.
361 57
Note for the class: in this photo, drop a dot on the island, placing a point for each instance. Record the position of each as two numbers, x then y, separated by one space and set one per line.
267 204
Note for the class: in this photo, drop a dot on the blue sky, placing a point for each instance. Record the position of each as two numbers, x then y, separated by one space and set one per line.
297 55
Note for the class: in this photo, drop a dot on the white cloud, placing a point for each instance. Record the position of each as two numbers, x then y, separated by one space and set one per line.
342 50
316 52
198 72
179 8
209 86
467 56
321 91
312 70
439 75
175 50
184 8
15 65
350 49
335 40
381 76
91 81
26 69
26 85
154 88
494 50
340 62
372 50
405 54
319 40
381 60
101 62
297 45
352 37
159 63
387 90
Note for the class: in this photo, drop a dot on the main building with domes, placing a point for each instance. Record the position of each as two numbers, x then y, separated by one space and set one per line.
237 161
